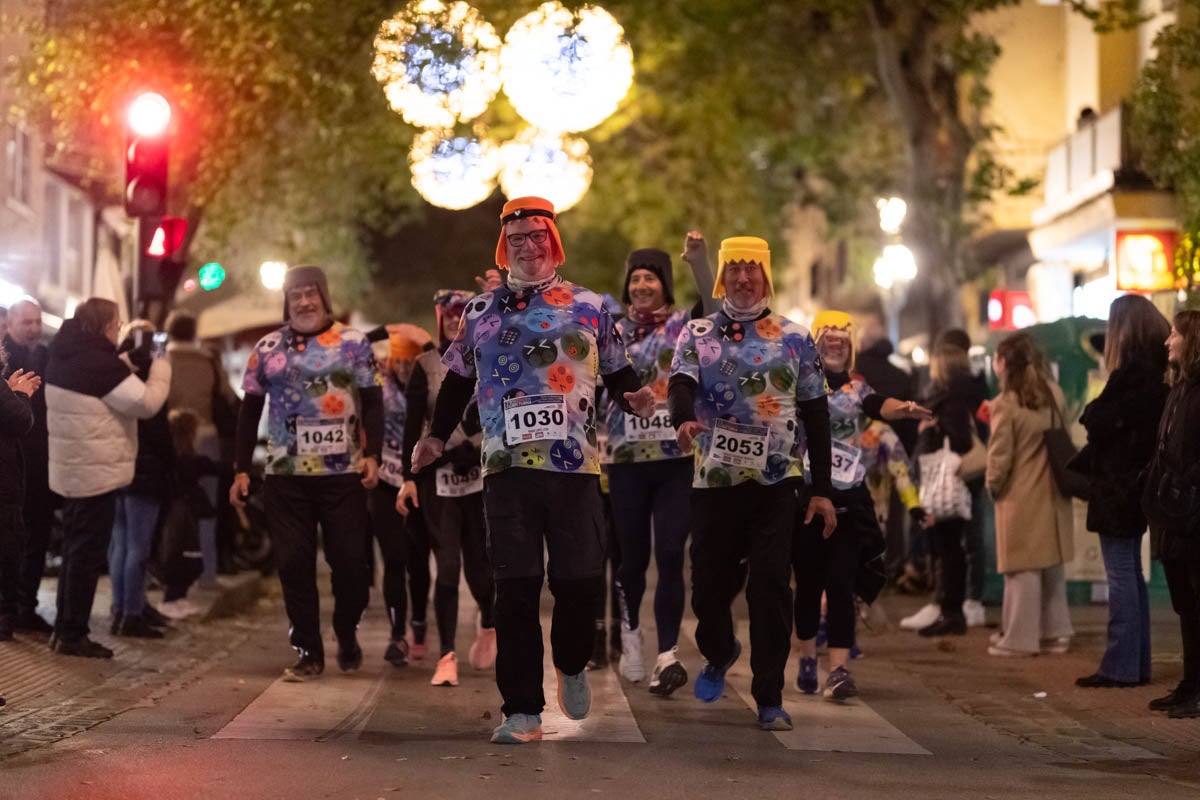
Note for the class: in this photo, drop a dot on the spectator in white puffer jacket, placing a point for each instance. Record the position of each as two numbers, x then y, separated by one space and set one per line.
93 403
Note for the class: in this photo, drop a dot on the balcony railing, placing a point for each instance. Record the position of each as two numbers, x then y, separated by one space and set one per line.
1085 164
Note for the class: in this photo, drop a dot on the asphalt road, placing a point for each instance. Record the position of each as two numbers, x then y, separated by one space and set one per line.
203 715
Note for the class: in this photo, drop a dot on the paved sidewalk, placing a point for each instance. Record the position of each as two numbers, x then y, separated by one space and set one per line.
51 696
1007 693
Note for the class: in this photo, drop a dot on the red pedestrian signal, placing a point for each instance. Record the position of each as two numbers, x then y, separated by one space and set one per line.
147 123
166 237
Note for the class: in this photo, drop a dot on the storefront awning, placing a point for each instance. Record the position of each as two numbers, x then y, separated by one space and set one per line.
1083 236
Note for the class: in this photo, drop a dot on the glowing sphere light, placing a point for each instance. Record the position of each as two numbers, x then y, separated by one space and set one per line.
439 63
547 165
149 115
566 71
453 172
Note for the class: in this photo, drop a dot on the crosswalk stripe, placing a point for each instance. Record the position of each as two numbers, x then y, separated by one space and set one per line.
333 706
820 725
610 719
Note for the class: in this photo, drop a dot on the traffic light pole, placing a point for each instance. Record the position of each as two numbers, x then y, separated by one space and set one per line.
136 306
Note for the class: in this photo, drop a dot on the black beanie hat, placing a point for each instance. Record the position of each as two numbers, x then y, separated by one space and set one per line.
306 276
657 262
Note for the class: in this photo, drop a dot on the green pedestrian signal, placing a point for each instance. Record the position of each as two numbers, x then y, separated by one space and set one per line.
212 275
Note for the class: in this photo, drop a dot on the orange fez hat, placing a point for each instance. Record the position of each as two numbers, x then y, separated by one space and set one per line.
523 208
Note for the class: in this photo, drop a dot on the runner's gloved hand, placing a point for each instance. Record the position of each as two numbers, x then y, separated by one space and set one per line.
918 515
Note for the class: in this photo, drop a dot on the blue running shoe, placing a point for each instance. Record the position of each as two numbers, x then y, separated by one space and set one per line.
518 729
774 718
807 680
710 683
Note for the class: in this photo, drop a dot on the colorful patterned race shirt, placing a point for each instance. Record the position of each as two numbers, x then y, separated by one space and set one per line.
751 377
848 422
311 384
651 349
537 357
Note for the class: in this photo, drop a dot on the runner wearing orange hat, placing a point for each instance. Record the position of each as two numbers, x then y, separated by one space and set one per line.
533 351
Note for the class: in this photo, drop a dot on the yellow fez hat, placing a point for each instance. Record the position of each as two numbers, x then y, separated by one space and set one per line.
835 321
523 208
743 248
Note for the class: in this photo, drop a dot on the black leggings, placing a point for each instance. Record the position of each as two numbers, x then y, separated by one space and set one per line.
829 566
417 565
458 534
658 491
388 526
1183 580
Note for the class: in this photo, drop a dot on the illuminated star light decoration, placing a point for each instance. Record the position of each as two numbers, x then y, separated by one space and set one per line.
454 172
547 165
563 71
438 63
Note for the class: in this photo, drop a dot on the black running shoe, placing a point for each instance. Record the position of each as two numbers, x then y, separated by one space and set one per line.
308 667
668 675
350 656
397 653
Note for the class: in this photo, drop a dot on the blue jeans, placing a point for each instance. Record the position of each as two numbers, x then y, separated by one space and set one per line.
1127 656
132 536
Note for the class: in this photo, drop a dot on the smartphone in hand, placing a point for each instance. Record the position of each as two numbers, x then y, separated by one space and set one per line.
160 345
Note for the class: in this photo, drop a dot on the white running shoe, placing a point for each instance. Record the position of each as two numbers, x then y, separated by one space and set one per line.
178 609
668 675
632 666
973 611
929 614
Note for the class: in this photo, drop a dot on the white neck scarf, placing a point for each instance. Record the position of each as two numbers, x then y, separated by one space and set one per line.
744 314
532 287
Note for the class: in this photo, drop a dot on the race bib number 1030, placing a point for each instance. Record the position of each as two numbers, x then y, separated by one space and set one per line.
534 418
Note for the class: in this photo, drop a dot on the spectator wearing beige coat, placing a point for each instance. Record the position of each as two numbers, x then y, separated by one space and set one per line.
1033 520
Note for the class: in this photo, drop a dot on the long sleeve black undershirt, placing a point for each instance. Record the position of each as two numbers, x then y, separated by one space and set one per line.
247 431
452 401
681 401
618 383
371 411
815 416
371 399
416 397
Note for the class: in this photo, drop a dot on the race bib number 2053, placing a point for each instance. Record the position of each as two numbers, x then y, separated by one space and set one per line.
740 445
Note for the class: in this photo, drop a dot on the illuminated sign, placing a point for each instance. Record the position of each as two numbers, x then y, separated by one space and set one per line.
1146 260
1009 310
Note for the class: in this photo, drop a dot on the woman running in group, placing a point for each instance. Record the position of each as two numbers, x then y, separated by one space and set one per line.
650 478
450 493
831 565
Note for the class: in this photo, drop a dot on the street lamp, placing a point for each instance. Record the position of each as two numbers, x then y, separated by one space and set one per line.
896 267
271 274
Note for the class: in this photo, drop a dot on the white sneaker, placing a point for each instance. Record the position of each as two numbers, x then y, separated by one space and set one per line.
973 611
632 667
929 614
178 609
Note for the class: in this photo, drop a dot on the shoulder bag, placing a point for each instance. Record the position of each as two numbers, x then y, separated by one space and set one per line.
1059 451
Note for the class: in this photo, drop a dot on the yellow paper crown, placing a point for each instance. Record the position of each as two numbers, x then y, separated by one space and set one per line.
743 248
840 321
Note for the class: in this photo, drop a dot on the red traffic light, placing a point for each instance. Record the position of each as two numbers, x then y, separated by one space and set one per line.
148 115
147 140
167 237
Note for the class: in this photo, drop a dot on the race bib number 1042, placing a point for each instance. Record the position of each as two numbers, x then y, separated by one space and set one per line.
322 436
